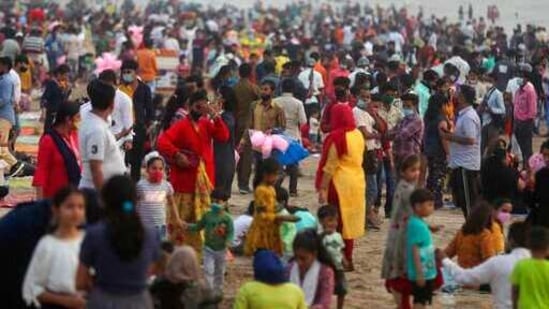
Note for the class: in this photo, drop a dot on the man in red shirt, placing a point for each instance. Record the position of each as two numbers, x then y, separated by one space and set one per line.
187 145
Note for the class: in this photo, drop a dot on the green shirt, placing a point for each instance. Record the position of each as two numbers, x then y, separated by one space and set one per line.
288 231
218 230
257 295
531 276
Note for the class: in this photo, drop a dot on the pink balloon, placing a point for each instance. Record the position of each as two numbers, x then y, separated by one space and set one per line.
107 61
136 33
267 147
280 143
257 138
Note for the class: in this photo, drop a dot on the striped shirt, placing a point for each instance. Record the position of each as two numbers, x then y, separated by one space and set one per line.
33 44
152 201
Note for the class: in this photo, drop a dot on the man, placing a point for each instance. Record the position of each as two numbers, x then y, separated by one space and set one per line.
341 93
10 48
492 111
270 74
189 145
246 92
148 69
143 113
56 92
7 111
465 154
424 90
361 67
524 112
290 70
266 116
16 105
294 113
312 81
101 156
495 271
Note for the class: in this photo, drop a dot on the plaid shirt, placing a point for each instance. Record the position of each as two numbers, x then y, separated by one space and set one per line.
408 137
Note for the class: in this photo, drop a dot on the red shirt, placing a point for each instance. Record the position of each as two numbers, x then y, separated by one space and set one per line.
183 135
51 174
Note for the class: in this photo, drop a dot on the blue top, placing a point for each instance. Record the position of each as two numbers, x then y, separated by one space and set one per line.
7 89
112 274
432 144
418 234
306 220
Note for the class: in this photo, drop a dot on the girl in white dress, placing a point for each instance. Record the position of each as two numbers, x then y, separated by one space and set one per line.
50 279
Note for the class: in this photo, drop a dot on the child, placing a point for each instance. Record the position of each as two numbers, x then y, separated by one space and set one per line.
218 234
473 244
288 230
312 270
333 243
420 252
154 195
49 282
394 257
530 277
314 128
241 227
264 232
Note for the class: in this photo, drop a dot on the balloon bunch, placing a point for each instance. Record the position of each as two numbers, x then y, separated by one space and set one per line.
266 143
107 61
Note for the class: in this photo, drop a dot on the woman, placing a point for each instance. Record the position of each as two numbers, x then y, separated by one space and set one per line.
56 91
120 250
176 108
435 148
340 178
269 289
58 153
224 154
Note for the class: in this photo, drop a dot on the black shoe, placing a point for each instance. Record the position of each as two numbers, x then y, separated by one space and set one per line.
16 170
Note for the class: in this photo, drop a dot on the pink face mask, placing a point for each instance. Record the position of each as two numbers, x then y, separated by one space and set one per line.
503 217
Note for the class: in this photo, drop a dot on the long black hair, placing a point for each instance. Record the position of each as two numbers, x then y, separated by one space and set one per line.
175 102
59 198
310 241
434 108
124 228
229 98
265 167
479 218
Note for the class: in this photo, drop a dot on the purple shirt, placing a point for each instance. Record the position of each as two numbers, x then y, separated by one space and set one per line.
408 137
112 274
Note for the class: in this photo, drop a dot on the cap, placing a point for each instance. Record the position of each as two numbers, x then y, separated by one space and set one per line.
362 62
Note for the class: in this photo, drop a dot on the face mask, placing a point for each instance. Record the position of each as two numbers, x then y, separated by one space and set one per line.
503 217
265 97
407 112
195 115
362 104
216 208
127 78
156 177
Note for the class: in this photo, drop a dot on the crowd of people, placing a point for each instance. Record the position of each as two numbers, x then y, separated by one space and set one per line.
403 110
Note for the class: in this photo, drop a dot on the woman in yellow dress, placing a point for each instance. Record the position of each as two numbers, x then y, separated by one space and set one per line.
340 178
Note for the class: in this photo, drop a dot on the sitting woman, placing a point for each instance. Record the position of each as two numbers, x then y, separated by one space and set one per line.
312 270
269 289
501 215
473 244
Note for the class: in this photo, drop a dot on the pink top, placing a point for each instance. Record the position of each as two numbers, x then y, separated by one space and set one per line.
325 287
525 103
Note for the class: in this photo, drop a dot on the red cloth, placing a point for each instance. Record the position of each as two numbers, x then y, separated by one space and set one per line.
342 121
403 286
184 136
51 174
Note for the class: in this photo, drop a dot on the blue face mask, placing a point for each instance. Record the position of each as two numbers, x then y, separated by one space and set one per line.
407 112
127 78
361 104
216 208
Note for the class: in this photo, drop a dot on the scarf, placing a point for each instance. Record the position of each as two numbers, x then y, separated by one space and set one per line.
309 283
341 122
69 157
268 268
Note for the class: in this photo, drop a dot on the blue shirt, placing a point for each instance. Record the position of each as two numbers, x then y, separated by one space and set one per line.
7 89
418 234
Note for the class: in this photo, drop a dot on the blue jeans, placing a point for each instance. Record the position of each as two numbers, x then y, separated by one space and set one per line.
214 267
386 175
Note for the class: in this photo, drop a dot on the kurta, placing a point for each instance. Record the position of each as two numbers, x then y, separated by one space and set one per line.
225 164
184 135
264 232
349 183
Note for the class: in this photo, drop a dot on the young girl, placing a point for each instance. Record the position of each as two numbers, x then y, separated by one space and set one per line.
264 232
154 195
473 244
394 258
501 215
312 270
120 250
49 282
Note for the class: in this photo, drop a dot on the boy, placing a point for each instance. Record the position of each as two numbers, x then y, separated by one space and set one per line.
333 243
530 278
288 230
218 234
420 251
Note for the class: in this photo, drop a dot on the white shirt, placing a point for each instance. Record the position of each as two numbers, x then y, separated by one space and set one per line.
97 143
495 271
172 44
466 156
513 86
17 86
53 268
314 126
364 119
318 83
294 112
353 75
241 226
122 115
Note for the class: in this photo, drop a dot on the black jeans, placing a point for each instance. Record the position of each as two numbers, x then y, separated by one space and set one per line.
292 171
465 188
524 132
